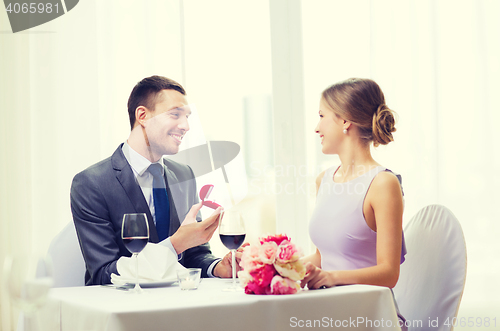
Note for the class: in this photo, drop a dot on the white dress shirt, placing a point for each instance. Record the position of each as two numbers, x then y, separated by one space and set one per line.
140 165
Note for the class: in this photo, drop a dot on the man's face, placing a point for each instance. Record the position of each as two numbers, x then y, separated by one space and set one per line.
167 124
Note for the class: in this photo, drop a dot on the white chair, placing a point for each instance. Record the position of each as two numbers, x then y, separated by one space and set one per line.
67 262
67 259
432 278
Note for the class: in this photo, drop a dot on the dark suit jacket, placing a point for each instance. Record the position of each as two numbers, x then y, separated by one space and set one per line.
102 193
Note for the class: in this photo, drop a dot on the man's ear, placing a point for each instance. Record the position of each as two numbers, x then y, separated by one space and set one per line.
141 115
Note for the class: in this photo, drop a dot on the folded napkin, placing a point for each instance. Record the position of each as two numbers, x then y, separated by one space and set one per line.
156 263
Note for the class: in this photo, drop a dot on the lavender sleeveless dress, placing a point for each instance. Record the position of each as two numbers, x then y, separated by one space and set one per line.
338 227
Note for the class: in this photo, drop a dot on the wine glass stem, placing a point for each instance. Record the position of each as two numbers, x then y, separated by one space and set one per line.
233 256
136 270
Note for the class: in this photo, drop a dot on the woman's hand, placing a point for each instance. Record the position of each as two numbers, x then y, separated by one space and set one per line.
314 258
317 277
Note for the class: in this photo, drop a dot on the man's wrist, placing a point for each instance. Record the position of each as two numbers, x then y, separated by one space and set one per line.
176 244
168 243
211 269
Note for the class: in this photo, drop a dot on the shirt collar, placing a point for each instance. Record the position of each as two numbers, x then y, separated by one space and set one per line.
138 162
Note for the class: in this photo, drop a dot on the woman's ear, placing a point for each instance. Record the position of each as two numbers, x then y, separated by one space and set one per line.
347 125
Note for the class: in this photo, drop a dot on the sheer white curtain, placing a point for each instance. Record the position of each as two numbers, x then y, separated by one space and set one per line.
228 76
438 65
63 97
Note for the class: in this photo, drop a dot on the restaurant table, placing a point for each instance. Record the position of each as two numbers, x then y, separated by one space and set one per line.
96 308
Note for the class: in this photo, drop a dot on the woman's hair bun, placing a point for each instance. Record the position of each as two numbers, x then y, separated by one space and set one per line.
383 125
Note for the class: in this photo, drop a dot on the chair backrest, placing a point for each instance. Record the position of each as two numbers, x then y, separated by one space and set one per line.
67 259
432 278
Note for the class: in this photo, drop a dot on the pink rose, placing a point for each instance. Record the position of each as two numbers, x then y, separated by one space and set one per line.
244 277
280 285
264 275
287 252
250 258
278 239
254 288
267 252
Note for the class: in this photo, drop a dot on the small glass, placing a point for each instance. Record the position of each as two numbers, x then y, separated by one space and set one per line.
28 280
189 279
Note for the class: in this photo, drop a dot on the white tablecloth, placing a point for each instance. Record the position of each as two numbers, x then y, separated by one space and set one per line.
209 308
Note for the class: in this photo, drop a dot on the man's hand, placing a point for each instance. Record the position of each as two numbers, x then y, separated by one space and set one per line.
223 269
195 233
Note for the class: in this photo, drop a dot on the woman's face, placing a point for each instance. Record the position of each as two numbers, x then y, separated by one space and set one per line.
329 128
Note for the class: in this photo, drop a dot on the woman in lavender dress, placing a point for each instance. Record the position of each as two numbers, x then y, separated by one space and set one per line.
357 222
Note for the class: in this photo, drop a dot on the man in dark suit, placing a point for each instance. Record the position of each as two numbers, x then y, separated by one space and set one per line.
125 183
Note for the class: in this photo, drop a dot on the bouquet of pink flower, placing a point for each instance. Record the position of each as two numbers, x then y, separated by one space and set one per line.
272 266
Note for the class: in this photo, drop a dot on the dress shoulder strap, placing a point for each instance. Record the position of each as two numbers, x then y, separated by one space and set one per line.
400 179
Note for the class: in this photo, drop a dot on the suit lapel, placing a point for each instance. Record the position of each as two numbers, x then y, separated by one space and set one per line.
126 177
172 189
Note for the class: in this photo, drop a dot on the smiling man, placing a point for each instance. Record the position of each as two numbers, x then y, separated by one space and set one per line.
137 179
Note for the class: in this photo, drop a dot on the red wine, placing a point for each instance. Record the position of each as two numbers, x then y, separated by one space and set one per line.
135 244
232 241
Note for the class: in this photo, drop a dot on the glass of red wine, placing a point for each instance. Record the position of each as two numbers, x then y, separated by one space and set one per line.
232 234
135 236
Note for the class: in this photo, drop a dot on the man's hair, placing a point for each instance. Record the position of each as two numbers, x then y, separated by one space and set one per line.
145 93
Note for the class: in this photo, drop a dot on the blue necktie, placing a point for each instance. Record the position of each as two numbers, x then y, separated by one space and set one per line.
160 196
